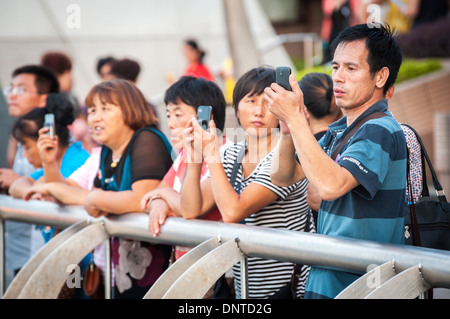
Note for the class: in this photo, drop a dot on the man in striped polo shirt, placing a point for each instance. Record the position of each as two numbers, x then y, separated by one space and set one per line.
363 187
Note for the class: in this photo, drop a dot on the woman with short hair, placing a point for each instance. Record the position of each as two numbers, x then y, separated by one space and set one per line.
135 157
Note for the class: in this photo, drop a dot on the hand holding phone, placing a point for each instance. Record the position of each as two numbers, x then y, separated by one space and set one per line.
50 124
204 116
282 77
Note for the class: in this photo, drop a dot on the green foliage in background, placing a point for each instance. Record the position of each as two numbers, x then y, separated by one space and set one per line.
410 68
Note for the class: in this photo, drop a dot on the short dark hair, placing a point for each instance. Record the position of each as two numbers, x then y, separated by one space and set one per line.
198 91
126 69
102 61
45 80
28 125
57 62
382 46
252 82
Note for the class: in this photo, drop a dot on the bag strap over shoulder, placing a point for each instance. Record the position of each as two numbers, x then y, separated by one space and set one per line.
236 165
437 186
412 209
353 131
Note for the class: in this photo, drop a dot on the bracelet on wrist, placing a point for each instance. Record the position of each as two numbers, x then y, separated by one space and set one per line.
152 199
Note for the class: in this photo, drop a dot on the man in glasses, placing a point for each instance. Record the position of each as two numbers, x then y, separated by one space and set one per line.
29 88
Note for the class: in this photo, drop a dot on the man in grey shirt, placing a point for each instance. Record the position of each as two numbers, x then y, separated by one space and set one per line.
28 89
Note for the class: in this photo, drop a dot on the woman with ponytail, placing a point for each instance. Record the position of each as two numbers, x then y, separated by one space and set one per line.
194 56
48 154
321 109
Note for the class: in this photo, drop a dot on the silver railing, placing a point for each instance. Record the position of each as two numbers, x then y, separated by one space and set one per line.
394 271
312 46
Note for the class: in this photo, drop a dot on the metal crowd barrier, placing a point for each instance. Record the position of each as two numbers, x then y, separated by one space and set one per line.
389 271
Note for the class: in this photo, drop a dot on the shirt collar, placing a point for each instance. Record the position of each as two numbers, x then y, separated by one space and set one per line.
341 124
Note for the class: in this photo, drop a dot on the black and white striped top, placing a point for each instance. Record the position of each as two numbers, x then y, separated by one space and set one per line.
289 211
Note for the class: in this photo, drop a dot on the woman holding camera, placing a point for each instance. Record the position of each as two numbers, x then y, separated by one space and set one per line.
253 199
48 154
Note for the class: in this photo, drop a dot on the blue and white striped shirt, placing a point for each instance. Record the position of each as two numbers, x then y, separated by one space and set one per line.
376 156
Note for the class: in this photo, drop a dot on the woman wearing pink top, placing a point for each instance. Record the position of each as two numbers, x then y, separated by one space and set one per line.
72 190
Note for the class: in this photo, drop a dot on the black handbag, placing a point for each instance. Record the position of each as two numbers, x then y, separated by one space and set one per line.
427 221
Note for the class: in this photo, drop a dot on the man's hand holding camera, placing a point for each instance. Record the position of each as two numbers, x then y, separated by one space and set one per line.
286 105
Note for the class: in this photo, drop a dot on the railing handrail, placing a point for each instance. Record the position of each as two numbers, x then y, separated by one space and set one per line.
309 40
279 244
288 37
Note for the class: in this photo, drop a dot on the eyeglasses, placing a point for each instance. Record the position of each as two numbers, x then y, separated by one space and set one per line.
17 90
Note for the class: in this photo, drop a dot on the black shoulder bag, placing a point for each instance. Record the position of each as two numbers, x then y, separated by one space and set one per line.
427 221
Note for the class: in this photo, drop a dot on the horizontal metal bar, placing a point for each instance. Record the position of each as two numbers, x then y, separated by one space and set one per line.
287 37
279 244
40 212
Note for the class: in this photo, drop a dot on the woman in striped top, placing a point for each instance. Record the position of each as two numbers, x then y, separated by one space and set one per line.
254 200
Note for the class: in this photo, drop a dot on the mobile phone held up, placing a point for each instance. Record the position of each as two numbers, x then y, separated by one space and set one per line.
50 123
282 77
204 116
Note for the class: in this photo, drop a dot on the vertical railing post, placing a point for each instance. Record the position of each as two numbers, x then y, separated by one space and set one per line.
244 278
108 273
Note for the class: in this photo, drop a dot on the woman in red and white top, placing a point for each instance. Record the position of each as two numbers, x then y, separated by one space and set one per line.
194 56
182 100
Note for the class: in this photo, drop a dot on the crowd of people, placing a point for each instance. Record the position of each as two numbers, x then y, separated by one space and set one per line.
287 175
